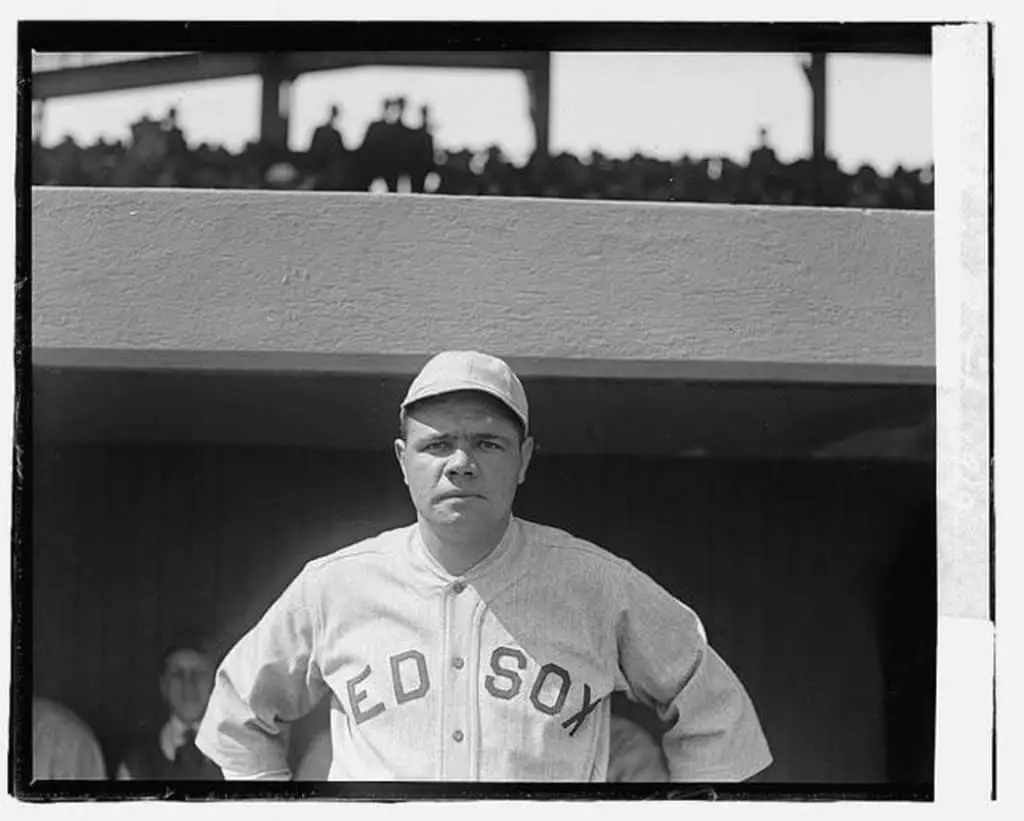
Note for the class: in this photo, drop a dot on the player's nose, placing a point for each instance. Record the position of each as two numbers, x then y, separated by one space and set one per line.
461 462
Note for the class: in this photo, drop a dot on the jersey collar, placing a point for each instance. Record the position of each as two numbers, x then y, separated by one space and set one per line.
495 563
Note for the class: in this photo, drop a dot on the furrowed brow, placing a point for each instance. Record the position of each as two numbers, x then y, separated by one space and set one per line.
434 437
494 437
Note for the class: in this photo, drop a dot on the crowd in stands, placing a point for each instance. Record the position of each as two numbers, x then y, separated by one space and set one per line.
396 156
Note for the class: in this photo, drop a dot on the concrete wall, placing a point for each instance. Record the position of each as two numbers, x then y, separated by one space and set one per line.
200 278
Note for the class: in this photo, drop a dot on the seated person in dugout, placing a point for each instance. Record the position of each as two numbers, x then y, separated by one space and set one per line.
474 645
63 746
186 680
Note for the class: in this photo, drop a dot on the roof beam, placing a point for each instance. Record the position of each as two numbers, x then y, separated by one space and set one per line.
198 66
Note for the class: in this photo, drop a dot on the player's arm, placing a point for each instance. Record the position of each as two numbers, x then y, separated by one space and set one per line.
269 678
713 731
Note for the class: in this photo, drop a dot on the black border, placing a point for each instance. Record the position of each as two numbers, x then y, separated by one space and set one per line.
881 37
991 249
19 727
459 791
73 35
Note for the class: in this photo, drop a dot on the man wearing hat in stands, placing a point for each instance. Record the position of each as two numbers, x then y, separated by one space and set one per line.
474 645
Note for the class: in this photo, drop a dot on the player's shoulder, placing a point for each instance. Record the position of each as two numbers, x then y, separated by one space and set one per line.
567 546
381 547
51 716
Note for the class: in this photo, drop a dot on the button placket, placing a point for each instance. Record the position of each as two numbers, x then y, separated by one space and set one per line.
457 699
458 662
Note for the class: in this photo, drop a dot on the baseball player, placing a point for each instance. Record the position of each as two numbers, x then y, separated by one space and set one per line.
633 755
474 645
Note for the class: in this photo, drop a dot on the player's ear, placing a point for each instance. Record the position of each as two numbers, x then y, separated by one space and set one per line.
400 446
525 455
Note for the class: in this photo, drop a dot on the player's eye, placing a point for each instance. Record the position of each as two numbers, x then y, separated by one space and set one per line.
436 447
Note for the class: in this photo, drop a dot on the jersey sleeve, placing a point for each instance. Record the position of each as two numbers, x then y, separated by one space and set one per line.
63 745
269 678
713 734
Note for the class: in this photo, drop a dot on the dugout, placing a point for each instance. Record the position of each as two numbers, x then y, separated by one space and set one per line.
738 399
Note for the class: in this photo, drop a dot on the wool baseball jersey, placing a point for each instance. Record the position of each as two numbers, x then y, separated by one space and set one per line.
63 746
501 674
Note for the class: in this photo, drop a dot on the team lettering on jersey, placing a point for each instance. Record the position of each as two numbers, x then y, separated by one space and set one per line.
410 680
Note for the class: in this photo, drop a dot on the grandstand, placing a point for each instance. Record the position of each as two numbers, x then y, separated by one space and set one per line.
269 163
82 73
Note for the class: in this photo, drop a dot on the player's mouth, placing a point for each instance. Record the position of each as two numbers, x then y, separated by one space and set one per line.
458 494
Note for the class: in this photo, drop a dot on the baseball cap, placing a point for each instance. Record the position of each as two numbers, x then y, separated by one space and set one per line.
470 371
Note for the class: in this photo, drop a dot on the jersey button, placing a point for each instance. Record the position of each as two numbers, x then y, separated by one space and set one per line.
458 587
458 662
458 736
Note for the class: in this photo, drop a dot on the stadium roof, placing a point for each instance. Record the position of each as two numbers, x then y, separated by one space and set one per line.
62 75
50 61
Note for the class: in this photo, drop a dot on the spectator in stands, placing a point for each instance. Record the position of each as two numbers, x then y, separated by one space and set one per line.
398 106
390 150
40 158
762 158
176 147
457 175
832 183
497 175
405 142
327 153
865 190
186 680
283 176
419 160
900 191
147 154
208 167
327 140
378 150
174 168
63 746
67 162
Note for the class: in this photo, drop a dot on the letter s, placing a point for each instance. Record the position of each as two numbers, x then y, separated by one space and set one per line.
501 672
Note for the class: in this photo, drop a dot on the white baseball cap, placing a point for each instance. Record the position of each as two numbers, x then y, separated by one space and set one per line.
470 371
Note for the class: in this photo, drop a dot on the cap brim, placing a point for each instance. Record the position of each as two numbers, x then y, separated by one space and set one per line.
431 391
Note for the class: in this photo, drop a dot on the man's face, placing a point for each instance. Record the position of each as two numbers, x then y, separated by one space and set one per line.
186 684
462 461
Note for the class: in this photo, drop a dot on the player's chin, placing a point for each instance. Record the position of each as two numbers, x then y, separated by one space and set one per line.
461 511
449 513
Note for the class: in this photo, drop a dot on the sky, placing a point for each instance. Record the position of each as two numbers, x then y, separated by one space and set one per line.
879 106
